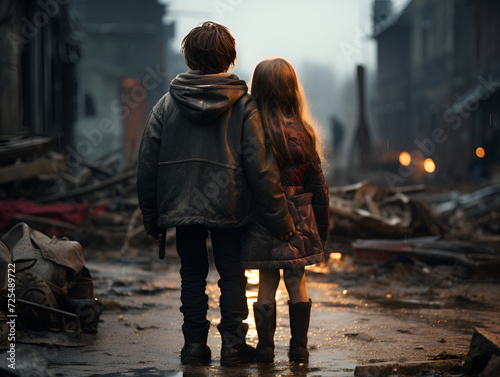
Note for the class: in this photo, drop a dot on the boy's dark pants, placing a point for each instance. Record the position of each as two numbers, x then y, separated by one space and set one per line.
226 244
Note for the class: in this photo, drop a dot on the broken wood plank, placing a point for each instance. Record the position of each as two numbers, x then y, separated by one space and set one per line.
97 169
347 188
20 172
410 189
90 188
21 147
38 222
134 219
380 251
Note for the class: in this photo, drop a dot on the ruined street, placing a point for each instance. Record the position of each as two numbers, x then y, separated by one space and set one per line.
360 316
410 288
367 130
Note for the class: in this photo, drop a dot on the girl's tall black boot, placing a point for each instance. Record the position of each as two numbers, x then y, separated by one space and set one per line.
265 322
300 315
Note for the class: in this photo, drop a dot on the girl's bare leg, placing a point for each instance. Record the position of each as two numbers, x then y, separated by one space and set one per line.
268 284
295 281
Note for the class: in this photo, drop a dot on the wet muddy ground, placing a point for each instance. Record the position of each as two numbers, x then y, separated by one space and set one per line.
360 315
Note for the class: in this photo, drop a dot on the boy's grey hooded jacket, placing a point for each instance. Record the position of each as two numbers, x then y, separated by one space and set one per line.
203 159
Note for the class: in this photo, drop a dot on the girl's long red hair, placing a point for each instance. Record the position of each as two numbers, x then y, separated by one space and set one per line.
276 89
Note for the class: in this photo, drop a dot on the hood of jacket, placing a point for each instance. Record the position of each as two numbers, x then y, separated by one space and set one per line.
204 97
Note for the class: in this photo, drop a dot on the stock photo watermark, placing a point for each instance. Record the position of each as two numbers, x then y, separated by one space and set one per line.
11 315
355 47
31 27
121 106
223 6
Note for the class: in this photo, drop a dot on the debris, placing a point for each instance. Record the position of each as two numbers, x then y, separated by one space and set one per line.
483 347
21 171
34 170
388 369
475 204
91 188
409 303
108 304
54 289
364 210
493 368
88 310
364 337
404 331
142 290
472 216
141 328
25 159
65 216
133 229
33 292
427 249
446 356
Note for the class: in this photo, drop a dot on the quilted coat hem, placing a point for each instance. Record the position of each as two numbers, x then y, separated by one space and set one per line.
318 257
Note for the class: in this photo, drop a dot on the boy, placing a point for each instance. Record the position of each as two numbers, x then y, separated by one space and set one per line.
204 166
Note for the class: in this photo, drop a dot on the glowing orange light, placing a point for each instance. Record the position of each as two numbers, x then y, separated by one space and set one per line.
480 152
429 165
336 256
404 158
344 292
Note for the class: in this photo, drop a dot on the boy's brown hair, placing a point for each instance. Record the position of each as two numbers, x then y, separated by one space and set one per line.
209 48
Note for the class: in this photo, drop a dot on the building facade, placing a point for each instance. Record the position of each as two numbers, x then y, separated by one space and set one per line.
39 55
123 73
438 81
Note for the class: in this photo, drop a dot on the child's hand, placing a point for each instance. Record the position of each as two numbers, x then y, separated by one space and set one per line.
155 240
286 237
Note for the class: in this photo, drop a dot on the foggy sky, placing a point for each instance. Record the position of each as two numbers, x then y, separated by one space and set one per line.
323 39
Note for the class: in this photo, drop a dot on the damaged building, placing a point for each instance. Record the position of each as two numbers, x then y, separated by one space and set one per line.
84 74
438 81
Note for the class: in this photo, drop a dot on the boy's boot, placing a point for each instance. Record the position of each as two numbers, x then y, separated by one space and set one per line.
265 322
234 349
300 315
195 350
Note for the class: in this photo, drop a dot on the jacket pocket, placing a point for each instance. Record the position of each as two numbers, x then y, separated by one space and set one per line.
306 228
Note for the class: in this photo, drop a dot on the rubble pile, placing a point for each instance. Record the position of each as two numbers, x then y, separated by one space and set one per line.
407 282
363 210
375 224
29 166
53 289
92 202
473 216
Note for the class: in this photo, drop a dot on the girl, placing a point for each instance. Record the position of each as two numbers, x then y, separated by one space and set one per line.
278 94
